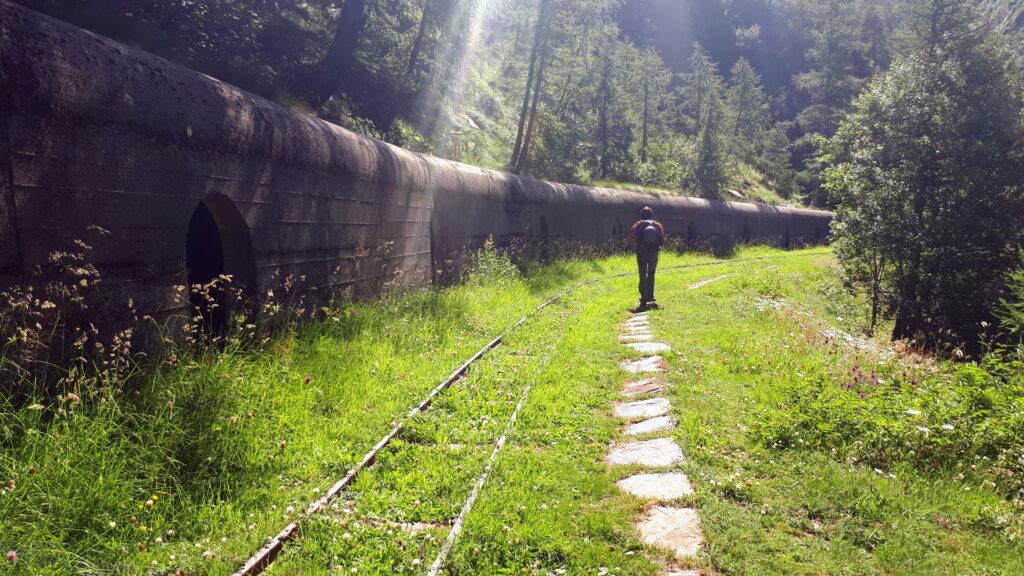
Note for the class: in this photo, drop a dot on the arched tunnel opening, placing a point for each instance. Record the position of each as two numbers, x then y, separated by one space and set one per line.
218 244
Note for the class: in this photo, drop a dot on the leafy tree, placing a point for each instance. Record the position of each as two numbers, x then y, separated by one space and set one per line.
927 173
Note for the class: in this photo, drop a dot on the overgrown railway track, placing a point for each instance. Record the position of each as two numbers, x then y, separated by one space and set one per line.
264 558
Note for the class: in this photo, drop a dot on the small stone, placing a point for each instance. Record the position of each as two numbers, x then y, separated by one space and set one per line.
649 347
657 486
642 409
651 453
658 424
649 364
645 325
675 529
645 386
639 337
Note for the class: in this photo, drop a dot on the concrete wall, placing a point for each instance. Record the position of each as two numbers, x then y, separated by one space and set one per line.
96 133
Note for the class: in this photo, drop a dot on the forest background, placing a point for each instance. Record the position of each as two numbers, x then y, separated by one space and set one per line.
718 98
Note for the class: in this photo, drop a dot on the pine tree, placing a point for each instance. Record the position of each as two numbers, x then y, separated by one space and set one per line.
706 97
749 104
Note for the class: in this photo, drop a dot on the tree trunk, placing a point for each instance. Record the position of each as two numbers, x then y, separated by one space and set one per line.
339 62
524 154
417 45
538 34
647 107
602 122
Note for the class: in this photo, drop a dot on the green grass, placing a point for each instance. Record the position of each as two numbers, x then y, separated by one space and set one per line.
223 485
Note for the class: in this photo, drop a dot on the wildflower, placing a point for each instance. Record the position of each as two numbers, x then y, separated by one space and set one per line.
150 504
282 444
233 420
159 540
12 556
289 510
309 379
923 430
947 426
111 524
914 412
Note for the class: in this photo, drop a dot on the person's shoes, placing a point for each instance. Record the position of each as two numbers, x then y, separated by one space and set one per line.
653 304
641 308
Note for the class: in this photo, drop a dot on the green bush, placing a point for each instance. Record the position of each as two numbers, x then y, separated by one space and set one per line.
968 419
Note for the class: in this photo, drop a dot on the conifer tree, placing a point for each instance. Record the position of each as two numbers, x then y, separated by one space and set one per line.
707 99
749 104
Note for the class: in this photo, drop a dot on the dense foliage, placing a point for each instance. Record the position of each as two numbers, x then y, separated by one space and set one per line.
579 90
927 173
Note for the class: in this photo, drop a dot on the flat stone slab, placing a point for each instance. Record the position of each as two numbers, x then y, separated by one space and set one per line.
704 283
635 323
657 486
642 409
640 316
649 347
637 337
656 424
683 573
644 365
651 453
675 529
645 386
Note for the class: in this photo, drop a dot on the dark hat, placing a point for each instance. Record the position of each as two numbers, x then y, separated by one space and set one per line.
647 212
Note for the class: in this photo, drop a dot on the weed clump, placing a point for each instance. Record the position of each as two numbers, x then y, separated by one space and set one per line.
492 266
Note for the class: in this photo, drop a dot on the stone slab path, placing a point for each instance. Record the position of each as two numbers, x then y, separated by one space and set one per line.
669 486
645 386
676 529
650 426
645 365
672 528
649 347
656 453
642 409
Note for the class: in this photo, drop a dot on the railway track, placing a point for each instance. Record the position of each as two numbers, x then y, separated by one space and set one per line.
265 557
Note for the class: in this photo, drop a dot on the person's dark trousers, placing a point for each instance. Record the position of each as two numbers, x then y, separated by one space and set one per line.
647 262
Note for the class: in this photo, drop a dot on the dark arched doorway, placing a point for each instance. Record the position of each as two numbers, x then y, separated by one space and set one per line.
218 245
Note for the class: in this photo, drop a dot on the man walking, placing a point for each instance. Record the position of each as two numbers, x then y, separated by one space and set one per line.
648 235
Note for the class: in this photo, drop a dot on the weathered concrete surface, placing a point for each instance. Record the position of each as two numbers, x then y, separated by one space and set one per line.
651 425
645 386
642 409
638 337
669 486
649 347
650 364
93 132
651 453
674 529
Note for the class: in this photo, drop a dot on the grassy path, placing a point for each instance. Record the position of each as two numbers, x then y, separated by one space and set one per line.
551 506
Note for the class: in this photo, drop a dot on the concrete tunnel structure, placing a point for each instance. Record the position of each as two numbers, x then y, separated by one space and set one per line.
193 177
